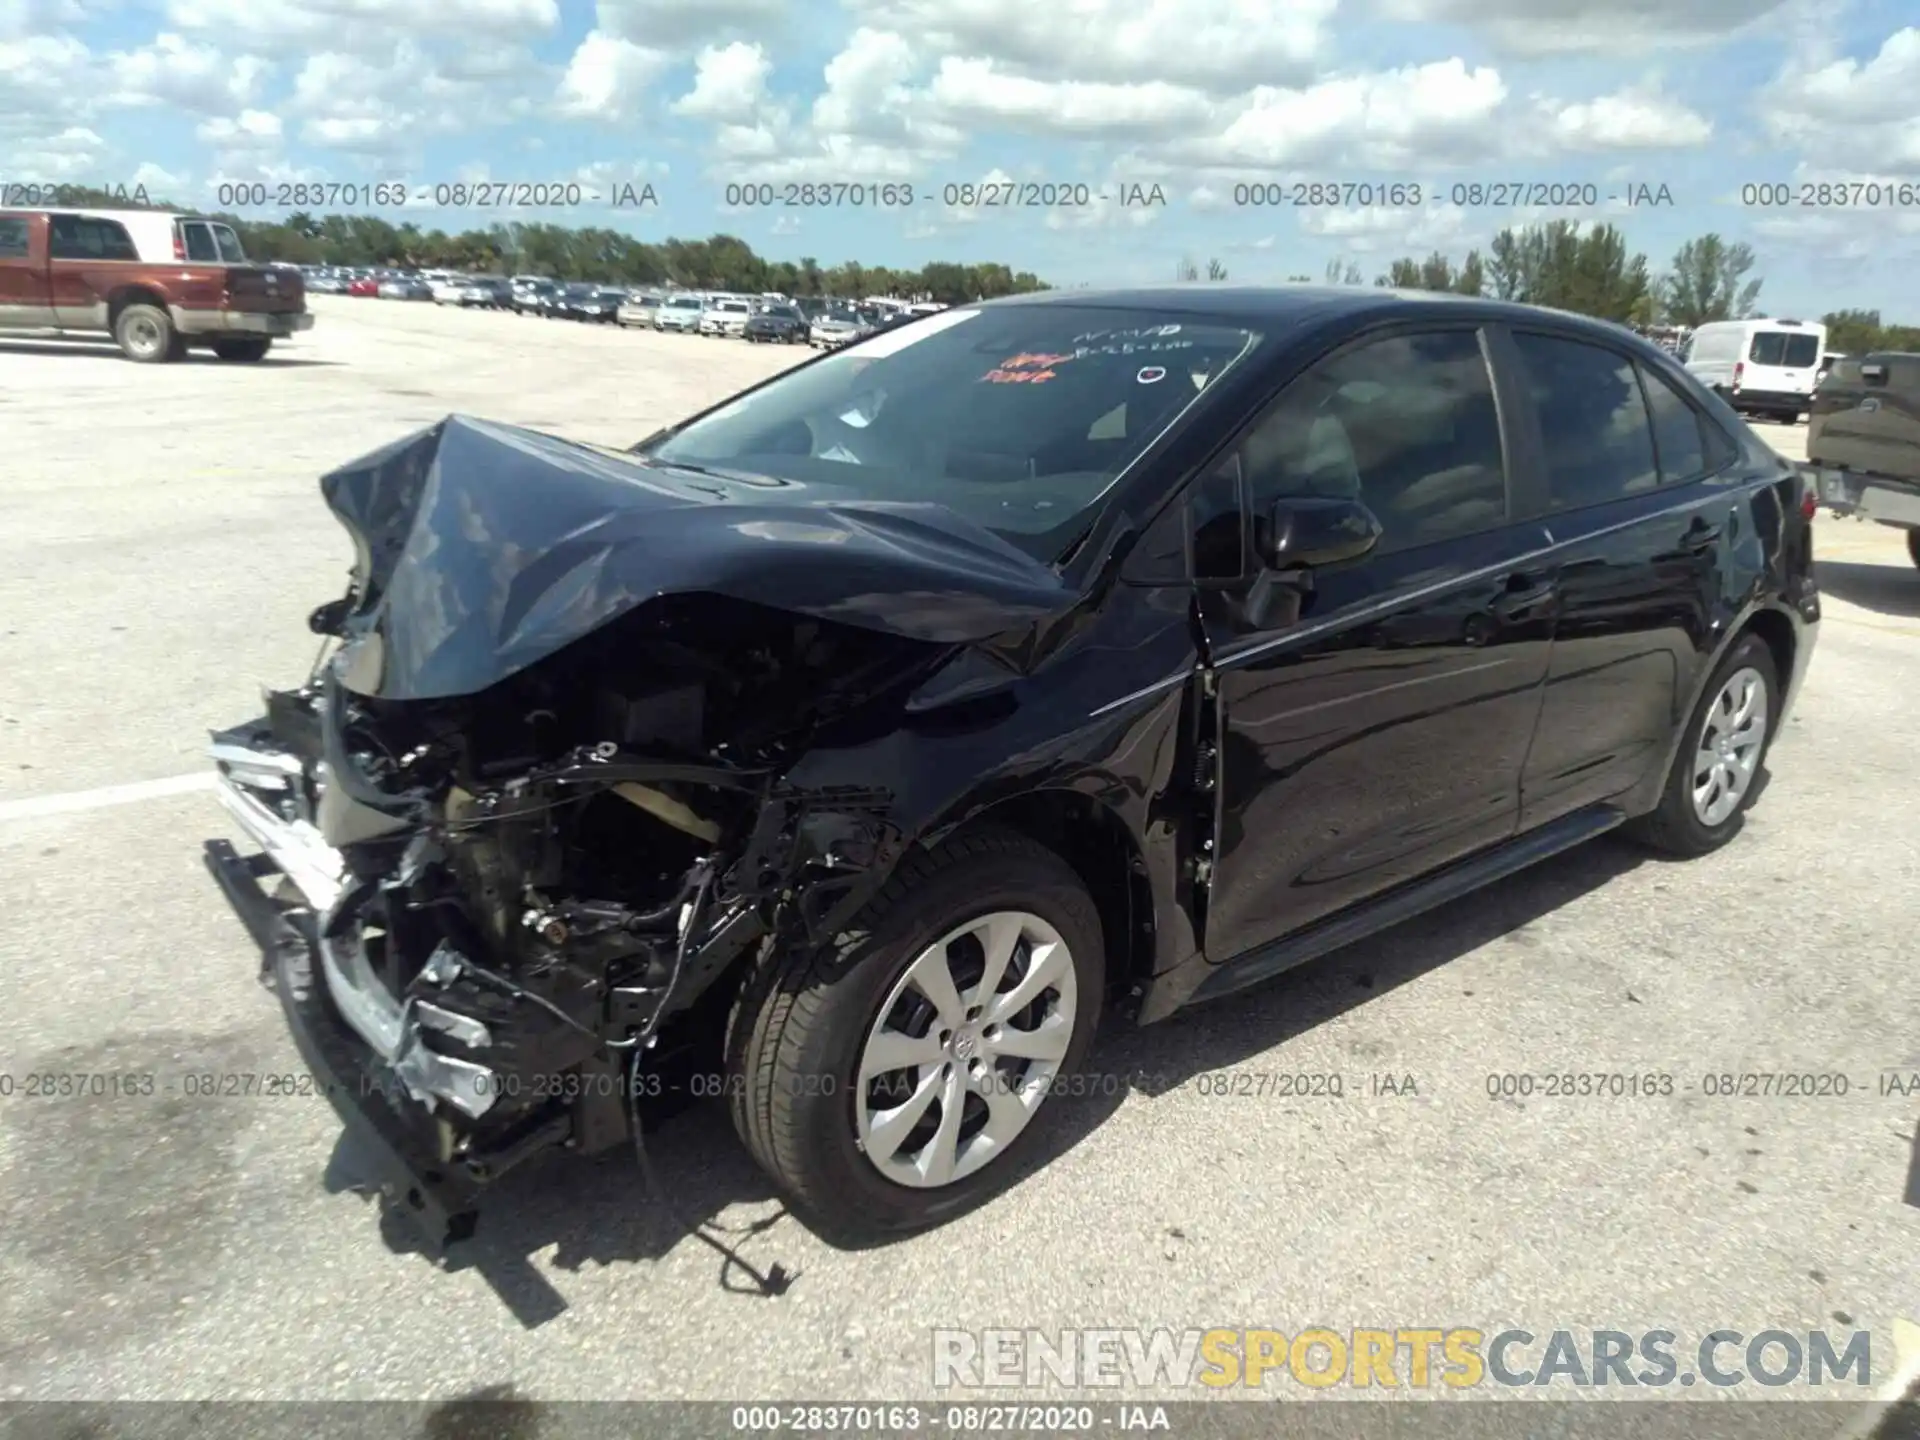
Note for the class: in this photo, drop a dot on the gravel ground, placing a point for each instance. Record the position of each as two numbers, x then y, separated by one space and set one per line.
161 542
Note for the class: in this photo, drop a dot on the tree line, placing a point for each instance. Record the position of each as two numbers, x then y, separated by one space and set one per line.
1590 270
563 252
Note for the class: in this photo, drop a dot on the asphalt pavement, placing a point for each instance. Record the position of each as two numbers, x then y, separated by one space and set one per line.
161 542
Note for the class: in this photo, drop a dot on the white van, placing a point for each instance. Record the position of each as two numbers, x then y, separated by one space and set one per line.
1760 367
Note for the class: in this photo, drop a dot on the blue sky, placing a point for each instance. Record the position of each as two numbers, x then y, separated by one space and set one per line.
1200 98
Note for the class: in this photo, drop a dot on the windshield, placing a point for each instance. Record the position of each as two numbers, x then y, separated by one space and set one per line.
683 302
1018 418
1780 347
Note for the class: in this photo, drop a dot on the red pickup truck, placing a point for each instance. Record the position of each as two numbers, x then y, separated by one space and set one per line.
159 283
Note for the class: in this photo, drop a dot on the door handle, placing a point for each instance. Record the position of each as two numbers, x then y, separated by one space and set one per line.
1525 592
1700 537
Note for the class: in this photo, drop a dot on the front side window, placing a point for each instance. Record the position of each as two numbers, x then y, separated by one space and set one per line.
1599 438
1018 418
85 237
13 238
1407 425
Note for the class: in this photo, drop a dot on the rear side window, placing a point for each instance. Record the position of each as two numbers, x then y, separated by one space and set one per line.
84 237
1782 347
1599 437
1680 432
231 252
199 242
13 239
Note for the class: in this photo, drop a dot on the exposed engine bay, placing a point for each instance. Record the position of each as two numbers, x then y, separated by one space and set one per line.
523 883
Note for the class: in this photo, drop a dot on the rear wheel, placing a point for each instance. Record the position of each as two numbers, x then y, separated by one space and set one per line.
251 348
1913 546
145 333
888 1082
1713 777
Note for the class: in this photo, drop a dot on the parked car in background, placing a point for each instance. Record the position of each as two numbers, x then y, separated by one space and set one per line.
1760 367
487 292
594 303
680 314
448 290
325 282
157 282
1272 619
726 317
363 285
640 309
834 328
405 288
531 297
1863 441
778 323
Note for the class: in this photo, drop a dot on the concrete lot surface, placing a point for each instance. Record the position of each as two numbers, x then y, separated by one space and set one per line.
161 542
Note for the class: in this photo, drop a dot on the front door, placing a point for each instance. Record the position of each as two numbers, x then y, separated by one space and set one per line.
1376 729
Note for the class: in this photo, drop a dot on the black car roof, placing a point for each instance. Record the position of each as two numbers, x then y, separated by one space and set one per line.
1270 305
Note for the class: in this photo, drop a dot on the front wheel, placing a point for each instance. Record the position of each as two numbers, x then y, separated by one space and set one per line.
889 1081
1913 546
1721 753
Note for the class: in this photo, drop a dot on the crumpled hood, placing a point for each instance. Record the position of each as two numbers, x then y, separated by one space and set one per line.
485 548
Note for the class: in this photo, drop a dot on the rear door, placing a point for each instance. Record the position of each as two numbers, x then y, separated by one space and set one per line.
24 299
1640 533
1782 361
1373 728
88 257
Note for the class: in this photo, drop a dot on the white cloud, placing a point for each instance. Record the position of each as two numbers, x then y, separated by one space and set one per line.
677 24
1843 106
608 77
786 224
177 74
1218 46
293 27
1410 229
72 155
1384 121
40 76
977 91
249 130
1559 27
1628 120
730 84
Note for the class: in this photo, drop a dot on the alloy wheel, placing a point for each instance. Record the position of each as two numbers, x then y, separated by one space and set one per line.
965 1049
1728 753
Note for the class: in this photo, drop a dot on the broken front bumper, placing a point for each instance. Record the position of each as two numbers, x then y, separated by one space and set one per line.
364 1046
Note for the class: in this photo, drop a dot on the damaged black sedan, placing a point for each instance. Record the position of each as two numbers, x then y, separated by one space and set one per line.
863 741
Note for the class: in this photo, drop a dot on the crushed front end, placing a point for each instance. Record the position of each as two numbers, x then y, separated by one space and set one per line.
485 915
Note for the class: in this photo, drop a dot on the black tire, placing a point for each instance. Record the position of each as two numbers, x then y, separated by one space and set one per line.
1675 827
1913 546
799 1024
250 349
145 334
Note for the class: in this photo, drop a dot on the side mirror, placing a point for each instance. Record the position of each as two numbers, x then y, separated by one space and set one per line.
1307 533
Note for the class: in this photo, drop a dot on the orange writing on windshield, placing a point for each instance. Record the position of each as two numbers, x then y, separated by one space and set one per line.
1025 369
